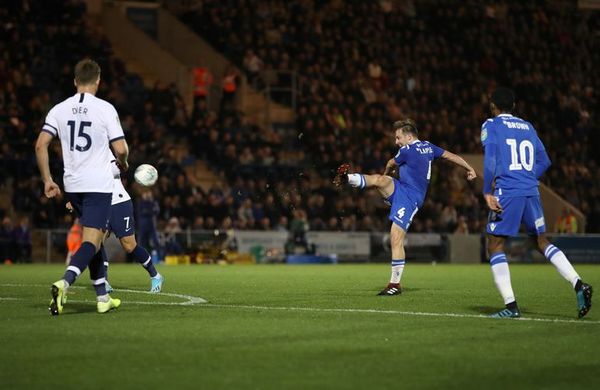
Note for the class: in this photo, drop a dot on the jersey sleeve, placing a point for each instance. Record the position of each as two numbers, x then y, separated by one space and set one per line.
487 133
437 151
113 125
400 157
51 124
488 140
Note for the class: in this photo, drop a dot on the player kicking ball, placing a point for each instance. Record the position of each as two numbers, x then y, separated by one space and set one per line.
405 194
514 160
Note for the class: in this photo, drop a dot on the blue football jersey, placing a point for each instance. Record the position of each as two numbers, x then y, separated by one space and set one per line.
514 156
414 162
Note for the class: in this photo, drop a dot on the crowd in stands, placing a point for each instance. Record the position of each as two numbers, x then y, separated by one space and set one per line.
361 66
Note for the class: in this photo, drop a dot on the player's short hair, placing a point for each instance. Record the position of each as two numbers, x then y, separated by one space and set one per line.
87 71
503 98
407 126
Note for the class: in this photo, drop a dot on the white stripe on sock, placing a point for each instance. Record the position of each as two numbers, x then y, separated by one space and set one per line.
74 269
147 261
98 282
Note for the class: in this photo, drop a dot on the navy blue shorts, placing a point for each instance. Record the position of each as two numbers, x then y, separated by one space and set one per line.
516 210
122 223
92 208
403 208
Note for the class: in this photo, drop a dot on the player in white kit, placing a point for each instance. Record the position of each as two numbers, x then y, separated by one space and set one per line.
87 128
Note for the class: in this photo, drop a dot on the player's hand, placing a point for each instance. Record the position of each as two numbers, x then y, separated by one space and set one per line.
492 203
51 189
471 175
123 166
69 207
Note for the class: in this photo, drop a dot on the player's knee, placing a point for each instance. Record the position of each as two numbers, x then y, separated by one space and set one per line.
128 245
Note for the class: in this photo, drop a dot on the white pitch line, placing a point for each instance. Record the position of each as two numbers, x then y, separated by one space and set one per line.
406 313
191 300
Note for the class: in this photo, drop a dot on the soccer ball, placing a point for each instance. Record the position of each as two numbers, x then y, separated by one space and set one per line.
146 175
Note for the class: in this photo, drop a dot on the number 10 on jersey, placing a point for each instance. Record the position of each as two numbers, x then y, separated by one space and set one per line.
522 158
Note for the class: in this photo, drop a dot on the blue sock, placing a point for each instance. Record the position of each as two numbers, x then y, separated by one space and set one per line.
97 273
143 257
79 262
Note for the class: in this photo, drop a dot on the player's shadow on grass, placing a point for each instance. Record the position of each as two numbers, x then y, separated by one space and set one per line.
75 308
486 310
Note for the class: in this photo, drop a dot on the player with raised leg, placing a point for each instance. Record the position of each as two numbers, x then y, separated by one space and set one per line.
122 224
514 160
86 126
405 194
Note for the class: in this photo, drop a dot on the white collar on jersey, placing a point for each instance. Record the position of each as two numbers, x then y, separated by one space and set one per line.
504 114
415 141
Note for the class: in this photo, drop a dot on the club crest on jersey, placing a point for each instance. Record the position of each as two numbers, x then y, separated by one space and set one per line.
492 226
483 135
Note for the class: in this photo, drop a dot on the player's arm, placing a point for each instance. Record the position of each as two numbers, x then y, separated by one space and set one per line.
542 161
488 139
456 159
121 152
389 167
117 138
51 189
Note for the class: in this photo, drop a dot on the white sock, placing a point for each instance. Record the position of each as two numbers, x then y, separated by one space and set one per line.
502 276
156 276
356 180
562 264
102 298
397 269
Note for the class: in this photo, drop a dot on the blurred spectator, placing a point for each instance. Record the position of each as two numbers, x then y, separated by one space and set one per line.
74 239
22 237
147 212
7 241
171 231
566 223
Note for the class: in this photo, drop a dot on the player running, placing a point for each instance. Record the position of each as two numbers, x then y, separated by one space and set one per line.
86 126
514 160
122 224
405 194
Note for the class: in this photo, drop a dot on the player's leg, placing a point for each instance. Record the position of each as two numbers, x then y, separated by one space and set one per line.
385 184
498 228
95 209
98 276
141 255
402 213
123 226
536 227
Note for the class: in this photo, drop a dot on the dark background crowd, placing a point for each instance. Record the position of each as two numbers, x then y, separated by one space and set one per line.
360 65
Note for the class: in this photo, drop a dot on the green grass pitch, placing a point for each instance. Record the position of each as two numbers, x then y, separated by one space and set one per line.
298 327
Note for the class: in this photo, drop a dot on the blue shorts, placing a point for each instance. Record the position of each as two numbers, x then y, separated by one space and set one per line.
403 208
122 223
92 208
516 210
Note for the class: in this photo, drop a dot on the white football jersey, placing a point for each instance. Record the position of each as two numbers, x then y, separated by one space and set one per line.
85 126
119 194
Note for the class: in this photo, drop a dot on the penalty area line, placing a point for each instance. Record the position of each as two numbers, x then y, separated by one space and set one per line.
398 312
